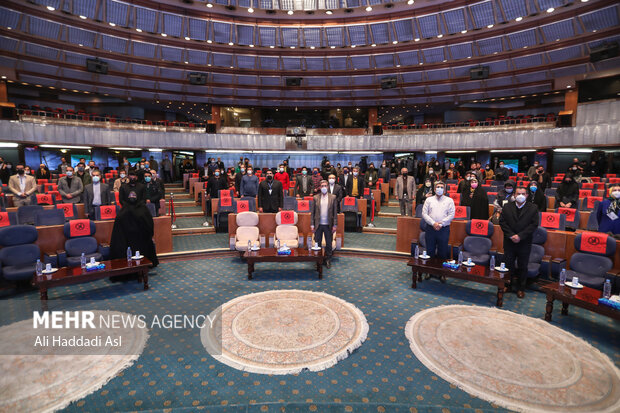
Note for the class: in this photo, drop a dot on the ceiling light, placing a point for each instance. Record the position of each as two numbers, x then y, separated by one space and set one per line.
328 12
9 28
421 63
439 36
490 26
469 57
50 8
368 8
445 60
65 147
584 1
410 2
80 44
395 42
164 35
580 150
332 47
513 150
272 47
417 39
139 30
463 31
373 45
397 65
550 10
518 19
112 24
186 62
3 77
250 10
251 45
230 43
292 47
209 41
352 46
290 12
568 86
82 17
209 5
187 38
312 47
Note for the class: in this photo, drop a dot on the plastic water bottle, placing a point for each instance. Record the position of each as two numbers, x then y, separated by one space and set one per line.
249 245
460 257
278 244
607 289
416 254
83 261
39 268
562 276
129 254
492 262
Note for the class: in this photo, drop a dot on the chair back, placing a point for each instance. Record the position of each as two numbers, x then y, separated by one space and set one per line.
225 205
45 199
26 214
286 218
50 217
151 207
8 218
418 210
245 204
550 192
289 203
552 220
348 204
303 205
590 203
70 210
461 213
106 212
572 216
18 245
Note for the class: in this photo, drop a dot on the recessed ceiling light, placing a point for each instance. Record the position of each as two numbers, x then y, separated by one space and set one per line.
373 45
463 31
550 10
209 5
568 86
328 12
352 46
417 39
439 36
250 10
164 35
584 1
209 41
50 8
445 60
251 45
82 17
519 19
368 8
469 57
187 38
139 30
292 47
112 24
289 12
186 62
421 63
494 52
80 44
3 77
230 43
272 47
410 2
395 42
397 65
332 47
312 47
9 28
490 26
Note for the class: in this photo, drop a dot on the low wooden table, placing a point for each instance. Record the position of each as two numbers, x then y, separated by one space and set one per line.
75 275
585 297
478 273
271 255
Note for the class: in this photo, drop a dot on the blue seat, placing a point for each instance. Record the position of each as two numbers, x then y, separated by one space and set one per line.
151 208
79 234
418 210
50 217
26 214
19 254
538 263
572 217
352 216
70 210
477 244
225 206
303 205
290 203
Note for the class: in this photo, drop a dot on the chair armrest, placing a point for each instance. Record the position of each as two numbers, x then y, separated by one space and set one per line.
557 264
62 258
50 258
104 250
232 241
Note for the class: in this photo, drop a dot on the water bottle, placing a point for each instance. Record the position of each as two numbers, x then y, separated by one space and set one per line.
607 289
416 254
83 261
562 276
128 253
39 268
460 257
278 244
249 245
492 262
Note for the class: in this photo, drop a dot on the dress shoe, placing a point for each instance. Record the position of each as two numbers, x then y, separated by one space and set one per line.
520 294
328 263
442 278
427 276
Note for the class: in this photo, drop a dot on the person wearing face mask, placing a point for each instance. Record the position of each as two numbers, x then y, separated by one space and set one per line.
22 186
122 179
567 195
328 169
404 190
83 175
335 189
355 184
91 167
216 183
504 196
316 180
152 192
133 192
476 198
370 177
95 194
344 178
249 183
62 166
464 184
425 191
431 175
282 177
531 172
536 196
43 172
608 212
324 219
542 178
5 172
518 221
502 173
70 187
160 183
384 172
338 169
166 167
303 184
238 176
488 173
438 212
270 195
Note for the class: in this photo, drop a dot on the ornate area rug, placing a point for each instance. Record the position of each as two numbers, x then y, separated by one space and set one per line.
44 383
285 332
515 361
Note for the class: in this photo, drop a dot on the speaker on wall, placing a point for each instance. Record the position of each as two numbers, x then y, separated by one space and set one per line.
388 82
211 128
197 78
293 81
377 130
607 50
478 73
97 66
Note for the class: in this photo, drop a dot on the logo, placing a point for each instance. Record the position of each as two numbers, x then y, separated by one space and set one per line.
479 225
1 217
550 218
287 216
66 209
593 240
79 226
107 211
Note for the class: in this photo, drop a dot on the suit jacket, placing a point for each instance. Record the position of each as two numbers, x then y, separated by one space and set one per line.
342 183
75 190
271 201
332 211
338 191
215 184
523 224
360 185
299 185
400 187
29 189
89 195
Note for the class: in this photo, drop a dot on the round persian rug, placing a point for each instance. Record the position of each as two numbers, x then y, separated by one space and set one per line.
42 381
284 331
515 361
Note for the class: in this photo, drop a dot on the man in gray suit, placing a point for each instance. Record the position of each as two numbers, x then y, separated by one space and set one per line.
303 184
95 194
405 191
324 219
70 187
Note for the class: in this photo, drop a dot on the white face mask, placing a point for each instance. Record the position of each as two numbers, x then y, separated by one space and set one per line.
520 198
323 190
281 170
439 191
430 171
616 194
332 181
428 184
354 173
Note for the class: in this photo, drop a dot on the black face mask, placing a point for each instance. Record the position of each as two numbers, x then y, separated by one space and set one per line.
20 171
269 178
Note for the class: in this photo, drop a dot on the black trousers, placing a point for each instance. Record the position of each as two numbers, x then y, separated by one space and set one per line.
324 230
518 254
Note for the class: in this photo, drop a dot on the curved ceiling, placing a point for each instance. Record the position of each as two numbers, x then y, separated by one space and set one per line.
429 47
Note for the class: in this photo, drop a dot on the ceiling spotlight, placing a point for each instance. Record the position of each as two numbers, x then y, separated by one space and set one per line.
50 8
112 24
209 5
373 45
439 36
328 12
332 47
272 47
368 8
209 41
230 43
417 39
164 35
186 62
290 12
518 19
82 17
352 46
312 47
490 26
568 86
292 47
139 30
550 10
469 57
395 42
397 65
584 1
251 45
463 31
410 2
250 10
187 38
445 60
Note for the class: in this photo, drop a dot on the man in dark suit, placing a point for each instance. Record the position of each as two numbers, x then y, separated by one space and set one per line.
303 183
355 184
215 183
324 219
95 194
335 189
518 220
343 179
70 187
270 196
152 191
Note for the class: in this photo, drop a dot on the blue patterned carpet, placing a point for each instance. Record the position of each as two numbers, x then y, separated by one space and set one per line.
385 222
174 372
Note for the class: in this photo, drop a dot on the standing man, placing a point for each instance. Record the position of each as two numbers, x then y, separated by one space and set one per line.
122 179
371 176
405 190
316 181
249 183
153 163
22 186
95 194
238 176
335 189
283 177
438 212
216 183
355 186
62 167
324 219
270 196
166 167
70 187
152 191
303 184
518 220
343 180
5 172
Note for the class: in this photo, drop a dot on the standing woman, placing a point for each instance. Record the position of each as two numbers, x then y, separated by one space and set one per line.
536 196
475 197
567 195
608 212
425 191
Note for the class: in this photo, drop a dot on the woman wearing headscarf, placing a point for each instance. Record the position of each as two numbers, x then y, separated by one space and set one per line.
608 212
425 191
535 195
475 197
567 194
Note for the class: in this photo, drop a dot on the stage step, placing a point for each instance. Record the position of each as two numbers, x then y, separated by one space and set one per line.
376 230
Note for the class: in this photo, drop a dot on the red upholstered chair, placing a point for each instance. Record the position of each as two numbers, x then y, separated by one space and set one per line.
552 221
477 244
45 199
572 217
70 211
106 212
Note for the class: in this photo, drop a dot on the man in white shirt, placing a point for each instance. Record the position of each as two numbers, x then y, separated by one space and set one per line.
324 220
95 195
438 213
